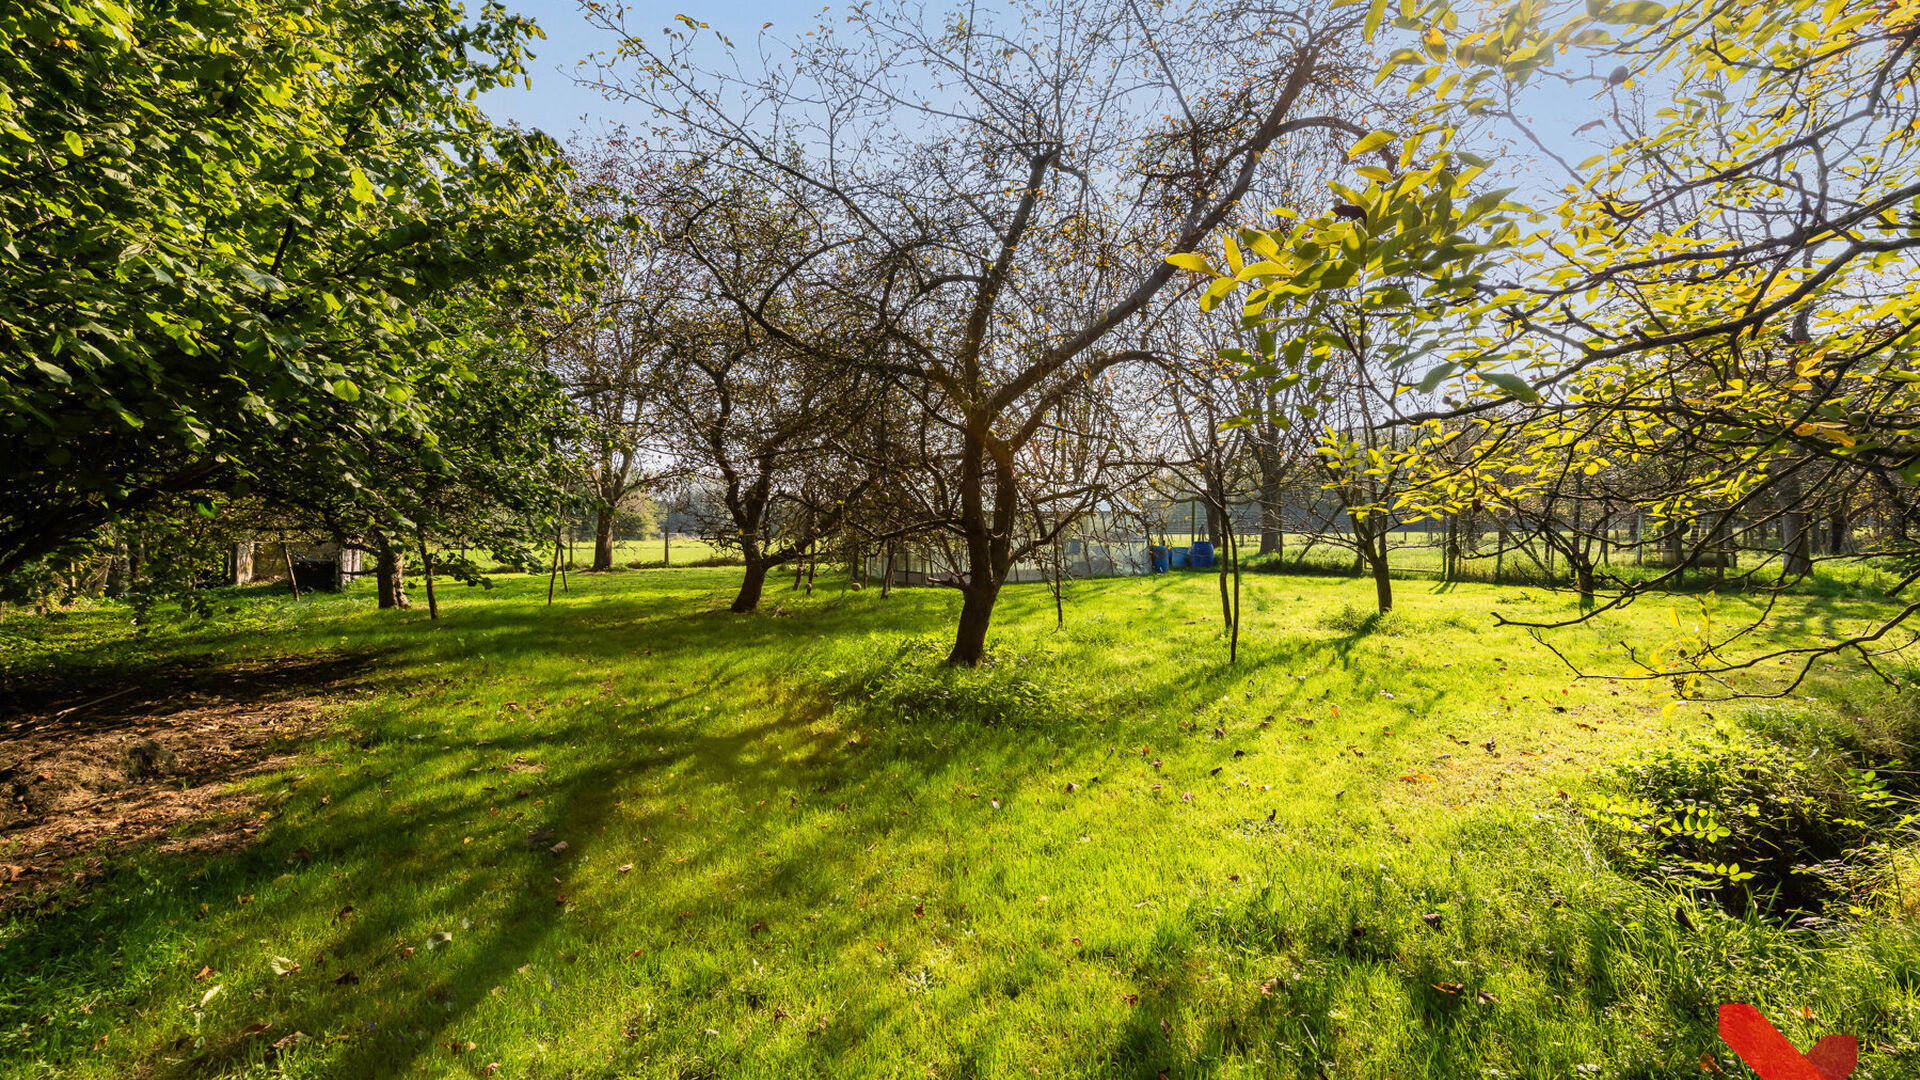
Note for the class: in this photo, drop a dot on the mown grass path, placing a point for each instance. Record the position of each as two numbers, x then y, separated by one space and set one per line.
633 835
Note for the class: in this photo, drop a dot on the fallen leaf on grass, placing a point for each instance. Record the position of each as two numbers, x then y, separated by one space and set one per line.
440 939
558 848
1072 787
203 974
1186 796
347 978
623 868
296 1037
1266 988
256 1027
1448 988
996 803
1486 997
1431 918
283 966
1707 1064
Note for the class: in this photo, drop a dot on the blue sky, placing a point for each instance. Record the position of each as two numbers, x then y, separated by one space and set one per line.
561 107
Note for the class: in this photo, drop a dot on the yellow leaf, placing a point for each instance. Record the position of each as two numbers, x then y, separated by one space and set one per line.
1371 142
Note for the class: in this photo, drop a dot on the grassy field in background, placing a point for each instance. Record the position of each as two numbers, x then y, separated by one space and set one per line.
652 552
665 841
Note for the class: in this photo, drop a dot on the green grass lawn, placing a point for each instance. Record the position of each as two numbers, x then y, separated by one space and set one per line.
681 551
670 842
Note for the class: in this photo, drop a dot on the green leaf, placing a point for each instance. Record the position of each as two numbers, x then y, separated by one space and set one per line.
1513 385
74 144
358 186
1434 377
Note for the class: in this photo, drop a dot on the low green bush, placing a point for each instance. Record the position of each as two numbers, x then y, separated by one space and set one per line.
1769 815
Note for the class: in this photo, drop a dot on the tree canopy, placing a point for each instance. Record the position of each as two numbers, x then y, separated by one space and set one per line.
238 227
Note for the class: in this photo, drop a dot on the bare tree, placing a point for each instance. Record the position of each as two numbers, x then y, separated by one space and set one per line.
1004 183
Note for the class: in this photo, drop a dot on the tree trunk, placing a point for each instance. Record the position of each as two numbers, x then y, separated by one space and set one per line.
989 540
976 614
1270 516
1226 601
1059 569
1233 642
603 540
392 576
242 563
117 567
293 580
1373 549
751 586
1796 534
426 569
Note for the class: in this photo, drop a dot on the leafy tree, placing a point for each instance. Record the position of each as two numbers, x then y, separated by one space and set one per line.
232 226
1726 290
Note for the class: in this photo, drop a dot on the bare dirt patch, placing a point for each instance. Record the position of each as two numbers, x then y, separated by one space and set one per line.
87 774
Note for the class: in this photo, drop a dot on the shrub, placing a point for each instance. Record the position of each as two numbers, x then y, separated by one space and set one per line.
1787 828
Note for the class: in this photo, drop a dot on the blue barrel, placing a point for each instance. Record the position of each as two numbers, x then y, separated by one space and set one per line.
1158 556
1177 556
1202 554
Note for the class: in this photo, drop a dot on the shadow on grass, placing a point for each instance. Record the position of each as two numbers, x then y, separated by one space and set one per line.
388 837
